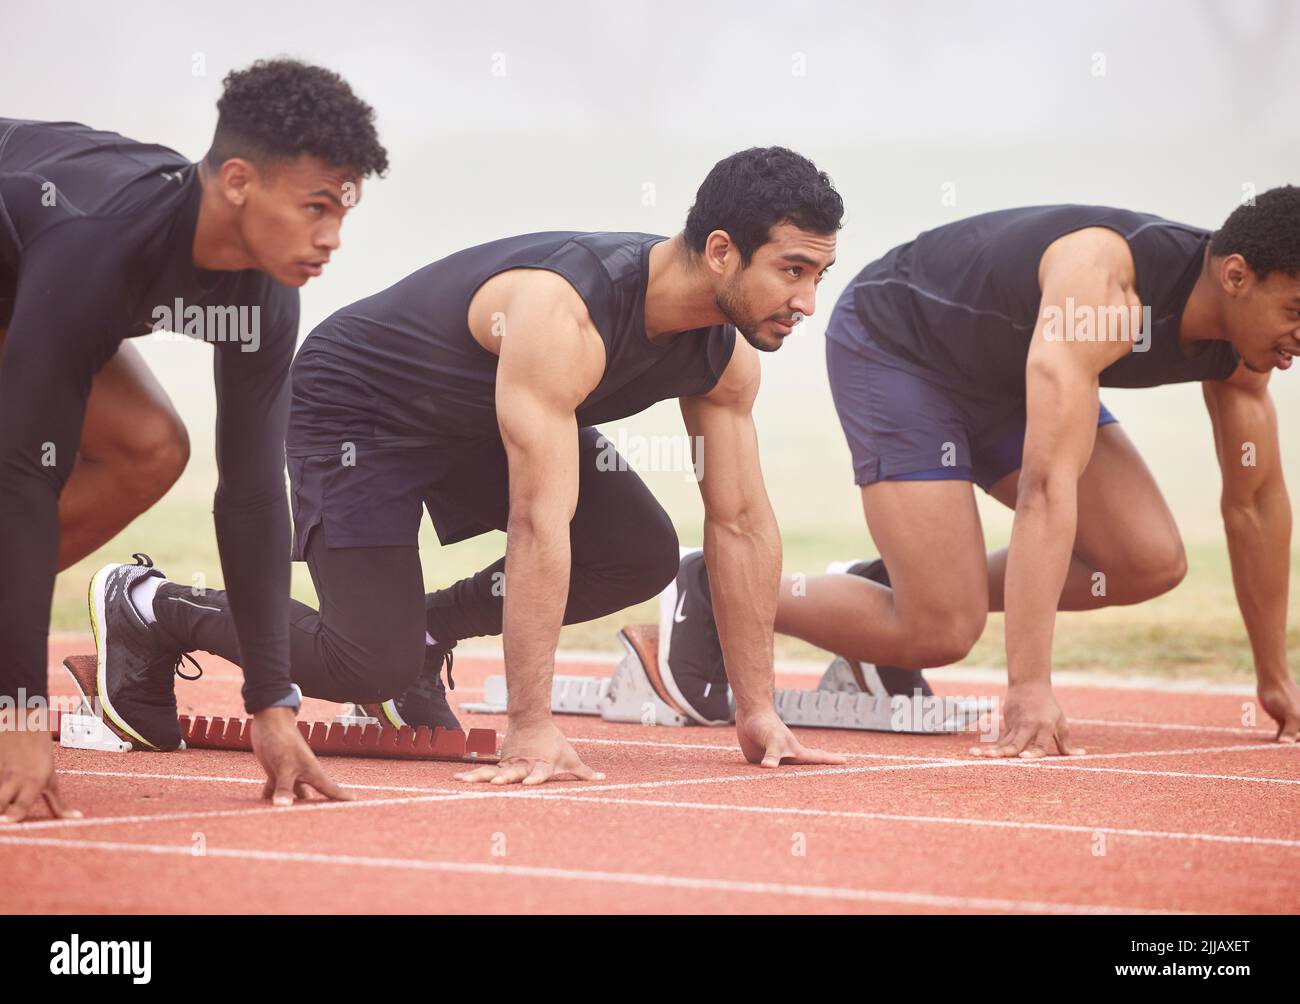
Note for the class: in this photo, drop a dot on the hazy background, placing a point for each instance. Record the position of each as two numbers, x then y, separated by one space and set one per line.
510 117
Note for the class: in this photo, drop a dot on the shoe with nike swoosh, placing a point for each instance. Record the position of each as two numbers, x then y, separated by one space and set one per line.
690 654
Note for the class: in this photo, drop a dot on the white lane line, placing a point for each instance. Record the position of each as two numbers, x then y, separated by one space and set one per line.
878 896
936 820
754 776
467 793
248 780
1162 773
318 805
972 737
581 795
1171 727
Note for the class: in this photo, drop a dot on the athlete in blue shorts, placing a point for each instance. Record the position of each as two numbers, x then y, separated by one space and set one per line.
975 354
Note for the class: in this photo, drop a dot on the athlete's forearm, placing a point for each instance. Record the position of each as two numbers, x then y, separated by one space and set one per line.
538 567
1042 539
744 562
1259 547
253 544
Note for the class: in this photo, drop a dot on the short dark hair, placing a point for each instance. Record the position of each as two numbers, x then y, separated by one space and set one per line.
277 109
750 192
1266 233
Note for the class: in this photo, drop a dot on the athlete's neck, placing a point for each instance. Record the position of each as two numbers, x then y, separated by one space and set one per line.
679 292
218 245
1202 318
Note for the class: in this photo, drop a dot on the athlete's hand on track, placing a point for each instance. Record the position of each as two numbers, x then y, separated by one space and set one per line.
1033 725
291 767
27 773
768 742
532 753
1282 701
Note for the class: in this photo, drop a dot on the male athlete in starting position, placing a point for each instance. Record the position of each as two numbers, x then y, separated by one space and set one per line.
98 234
472 388
974 354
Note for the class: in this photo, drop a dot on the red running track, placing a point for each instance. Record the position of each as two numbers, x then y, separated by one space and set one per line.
1177 807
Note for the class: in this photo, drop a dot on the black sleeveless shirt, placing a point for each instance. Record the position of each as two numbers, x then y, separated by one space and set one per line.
402 366
962 300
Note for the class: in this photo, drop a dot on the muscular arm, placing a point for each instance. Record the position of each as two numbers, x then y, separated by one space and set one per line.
742 543
1093 269
551 358
742 550
1257 517
250 508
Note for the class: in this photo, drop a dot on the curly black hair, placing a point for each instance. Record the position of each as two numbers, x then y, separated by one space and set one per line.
750 192
1266 234
277 109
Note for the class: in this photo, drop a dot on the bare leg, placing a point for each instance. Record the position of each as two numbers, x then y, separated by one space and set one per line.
133 448
930 536
1127 548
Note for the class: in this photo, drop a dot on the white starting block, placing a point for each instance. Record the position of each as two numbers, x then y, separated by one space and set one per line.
88 732
837 703
354 714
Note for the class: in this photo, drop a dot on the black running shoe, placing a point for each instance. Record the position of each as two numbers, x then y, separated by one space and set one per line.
425 701
136 662
690 655
881 681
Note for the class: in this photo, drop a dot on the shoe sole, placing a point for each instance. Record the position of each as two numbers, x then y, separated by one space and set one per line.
662 678
95 600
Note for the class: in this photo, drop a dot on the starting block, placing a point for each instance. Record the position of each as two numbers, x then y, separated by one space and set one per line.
88 732
627 696
353 733
838 702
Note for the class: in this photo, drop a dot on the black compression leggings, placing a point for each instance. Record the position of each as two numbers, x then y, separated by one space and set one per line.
366 643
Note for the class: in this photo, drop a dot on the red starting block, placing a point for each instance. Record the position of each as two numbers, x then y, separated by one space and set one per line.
332 739
324 738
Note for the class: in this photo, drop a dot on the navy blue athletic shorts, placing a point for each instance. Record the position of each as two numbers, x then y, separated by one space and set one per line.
905 423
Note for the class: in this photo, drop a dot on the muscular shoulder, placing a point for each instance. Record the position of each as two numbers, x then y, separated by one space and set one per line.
1093 251
539 298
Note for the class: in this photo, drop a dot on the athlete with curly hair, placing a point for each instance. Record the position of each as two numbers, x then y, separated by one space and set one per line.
103 239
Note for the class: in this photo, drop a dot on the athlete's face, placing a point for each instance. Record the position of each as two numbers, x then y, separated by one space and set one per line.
1262 316
291 216
778 288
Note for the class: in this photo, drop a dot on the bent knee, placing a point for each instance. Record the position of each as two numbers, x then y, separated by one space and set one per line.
944 638
154 456
654 562
1150 575
386 667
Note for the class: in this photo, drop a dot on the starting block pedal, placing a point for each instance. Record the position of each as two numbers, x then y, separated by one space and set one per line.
627 696
838 702
633 694
355 714
88 732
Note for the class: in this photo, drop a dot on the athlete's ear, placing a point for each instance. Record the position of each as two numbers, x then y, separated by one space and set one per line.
234 179
719 251
1235 275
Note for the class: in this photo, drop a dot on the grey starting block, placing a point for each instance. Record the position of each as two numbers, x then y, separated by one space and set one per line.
837 702
627 696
